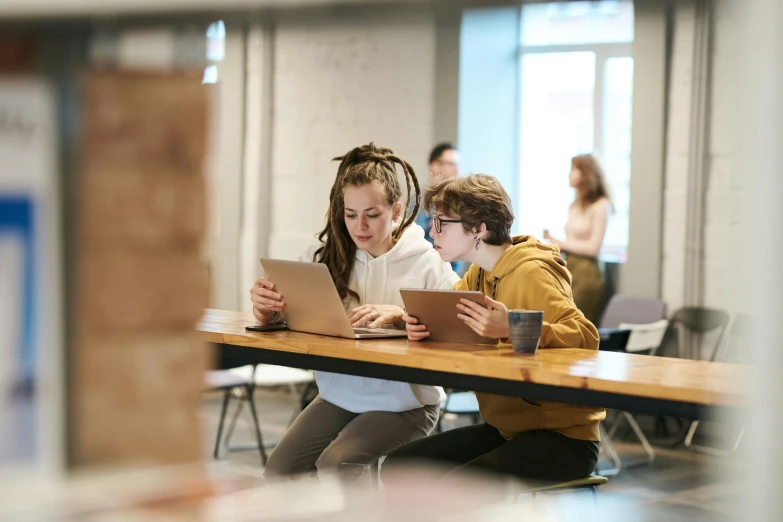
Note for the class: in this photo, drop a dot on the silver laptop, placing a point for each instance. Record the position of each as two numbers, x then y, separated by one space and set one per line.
312 302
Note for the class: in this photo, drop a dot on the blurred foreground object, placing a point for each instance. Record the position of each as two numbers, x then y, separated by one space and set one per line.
140 286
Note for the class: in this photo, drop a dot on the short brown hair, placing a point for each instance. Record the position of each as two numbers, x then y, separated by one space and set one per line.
476 199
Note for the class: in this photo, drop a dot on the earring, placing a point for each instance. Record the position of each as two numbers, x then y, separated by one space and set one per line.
477 242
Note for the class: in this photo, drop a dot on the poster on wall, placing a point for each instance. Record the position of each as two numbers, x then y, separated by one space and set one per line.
30 329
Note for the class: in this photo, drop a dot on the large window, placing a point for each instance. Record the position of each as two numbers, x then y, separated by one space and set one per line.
576 85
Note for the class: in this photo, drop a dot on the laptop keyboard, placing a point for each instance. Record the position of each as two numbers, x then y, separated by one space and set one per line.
372 330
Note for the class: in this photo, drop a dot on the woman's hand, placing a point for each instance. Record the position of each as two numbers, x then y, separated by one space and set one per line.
373 316
416 331
267 302
483 321
551 238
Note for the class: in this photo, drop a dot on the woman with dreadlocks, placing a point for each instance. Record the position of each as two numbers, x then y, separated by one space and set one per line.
372 248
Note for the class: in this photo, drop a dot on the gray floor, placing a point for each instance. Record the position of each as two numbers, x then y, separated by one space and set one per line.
679 485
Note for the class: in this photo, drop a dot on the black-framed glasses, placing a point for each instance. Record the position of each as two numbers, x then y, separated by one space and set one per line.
438 223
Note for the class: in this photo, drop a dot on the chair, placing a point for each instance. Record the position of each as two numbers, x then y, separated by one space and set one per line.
459 403
740 329
633 310
636 310
613 339
690 322
233 384
698 320
643 338
590 483
269 376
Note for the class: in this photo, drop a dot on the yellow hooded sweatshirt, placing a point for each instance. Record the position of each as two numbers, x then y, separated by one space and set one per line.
531 275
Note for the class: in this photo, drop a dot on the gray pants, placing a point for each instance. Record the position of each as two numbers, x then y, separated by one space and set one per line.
327 438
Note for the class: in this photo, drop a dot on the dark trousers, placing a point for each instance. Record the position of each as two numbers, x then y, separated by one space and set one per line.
541 454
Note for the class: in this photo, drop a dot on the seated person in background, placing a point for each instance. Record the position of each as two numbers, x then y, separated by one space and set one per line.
444 164
472 220
372 249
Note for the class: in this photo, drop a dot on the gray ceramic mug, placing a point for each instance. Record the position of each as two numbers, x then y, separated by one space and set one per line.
524 328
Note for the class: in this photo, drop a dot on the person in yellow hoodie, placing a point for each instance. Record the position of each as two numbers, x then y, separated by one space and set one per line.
472 220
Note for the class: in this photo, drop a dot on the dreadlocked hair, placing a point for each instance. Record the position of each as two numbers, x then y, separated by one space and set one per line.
361 166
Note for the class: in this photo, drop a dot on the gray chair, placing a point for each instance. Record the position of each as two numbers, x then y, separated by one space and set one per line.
738 335
240 387
635 310
699 321
268 376
644 338
590 483
692 323
620 311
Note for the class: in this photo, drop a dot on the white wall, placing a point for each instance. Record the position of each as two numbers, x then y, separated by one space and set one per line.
339 82
758 85
224 178
677 154
641 276
727 205
719 265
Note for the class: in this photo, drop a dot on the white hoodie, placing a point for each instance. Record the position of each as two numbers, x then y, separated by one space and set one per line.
411 263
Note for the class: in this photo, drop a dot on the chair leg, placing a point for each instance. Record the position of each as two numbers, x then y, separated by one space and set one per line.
682 433
611 451
708 450
252 403
615 425
640 435
661 428
233 423
226 398
691 433
608 447
375 471
594 491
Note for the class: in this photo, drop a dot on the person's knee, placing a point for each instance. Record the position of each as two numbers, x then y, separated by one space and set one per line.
347 464
336 456
279 466
388 465
400 456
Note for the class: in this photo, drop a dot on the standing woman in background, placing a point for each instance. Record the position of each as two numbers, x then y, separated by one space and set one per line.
584 230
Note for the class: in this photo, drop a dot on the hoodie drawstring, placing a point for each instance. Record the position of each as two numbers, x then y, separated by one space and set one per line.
385 277
480 282
366 276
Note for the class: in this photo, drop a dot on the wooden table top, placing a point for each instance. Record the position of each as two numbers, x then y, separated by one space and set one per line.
698 382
